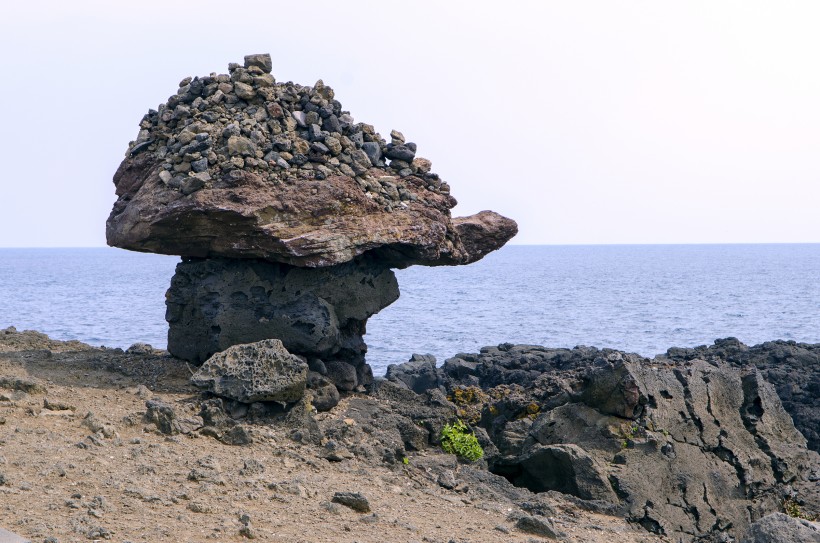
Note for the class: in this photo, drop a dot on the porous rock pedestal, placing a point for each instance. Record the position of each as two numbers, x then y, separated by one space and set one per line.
288 214
318 313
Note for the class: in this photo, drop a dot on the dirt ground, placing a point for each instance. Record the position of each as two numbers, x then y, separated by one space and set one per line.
78 463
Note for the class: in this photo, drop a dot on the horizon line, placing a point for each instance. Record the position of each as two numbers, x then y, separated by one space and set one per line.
580 244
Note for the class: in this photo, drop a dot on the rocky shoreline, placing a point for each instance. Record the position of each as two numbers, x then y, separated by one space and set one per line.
264 421
676 449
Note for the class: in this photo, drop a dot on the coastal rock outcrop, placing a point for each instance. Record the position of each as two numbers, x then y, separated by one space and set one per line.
793 368
289 216
693 450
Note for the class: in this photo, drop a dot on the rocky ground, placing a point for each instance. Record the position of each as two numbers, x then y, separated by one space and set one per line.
80 461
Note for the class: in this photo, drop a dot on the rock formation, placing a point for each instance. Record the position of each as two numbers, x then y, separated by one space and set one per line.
239 166
259 372
694 450
288 214
793 368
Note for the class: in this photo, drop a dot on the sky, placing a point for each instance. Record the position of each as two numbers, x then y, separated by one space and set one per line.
588 122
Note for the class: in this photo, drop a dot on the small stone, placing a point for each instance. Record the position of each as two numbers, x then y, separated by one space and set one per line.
311 117
319 148
264 81
342 374
300 117
447 479
396 137
200 165
261 371
315 132
244 91
192 184
275 110
422 165
353 500
262 61
198 507
241 146
403 152
57 406
373 151
252 467
334 145
537 525
332 124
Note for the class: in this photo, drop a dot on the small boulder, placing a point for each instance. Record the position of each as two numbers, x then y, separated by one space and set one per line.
419 374
342 374
353 500
255 372
537 525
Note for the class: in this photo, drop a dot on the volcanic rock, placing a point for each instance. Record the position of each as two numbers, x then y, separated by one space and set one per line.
693 450
780 528
238 166
215 303
793 368
286 216
259 372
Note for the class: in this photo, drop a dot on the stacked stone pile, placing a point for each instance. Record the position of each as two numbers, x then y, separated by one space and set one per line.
282 132
289 216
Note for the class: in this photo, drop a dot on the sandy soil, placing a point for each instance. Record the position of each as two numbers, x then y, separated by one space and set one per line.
77 463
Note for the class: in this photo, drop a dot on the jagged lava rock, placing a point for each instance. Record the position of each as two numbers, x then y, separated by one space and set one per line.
259 372
793 368
693 450
239 166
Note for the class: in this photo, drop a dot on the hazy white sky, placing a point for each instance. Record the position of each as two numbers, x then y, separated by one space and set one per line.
587 122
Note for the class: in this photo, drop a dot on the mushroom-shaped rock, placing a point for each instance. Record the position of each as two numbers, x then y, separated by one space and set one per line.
288 214
238 166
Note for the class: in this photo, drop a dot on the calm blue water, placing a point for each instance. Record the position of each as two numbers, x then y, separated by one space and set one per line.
642 299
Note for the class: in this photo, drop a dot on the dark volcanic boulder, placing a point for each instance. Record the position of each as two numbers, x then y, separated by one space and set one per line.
239 166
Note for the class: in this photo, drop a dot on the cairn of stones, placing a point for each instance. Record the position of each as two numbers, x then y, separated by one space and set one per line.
289 217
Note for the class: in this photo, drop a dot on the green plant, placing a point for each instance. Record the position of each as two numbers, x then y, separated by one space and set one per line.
469 402
456 438
405 460
792 508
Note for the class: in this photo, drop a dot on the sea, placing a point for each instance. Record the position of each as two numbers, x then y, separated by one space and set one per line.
636 298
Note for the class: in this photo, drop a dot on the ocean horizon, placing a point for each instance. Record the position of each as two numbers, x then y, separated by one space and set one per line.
636 298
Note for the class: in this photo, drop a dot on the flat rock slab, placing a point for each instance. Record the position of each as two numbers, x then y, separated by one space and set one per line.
9 537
